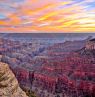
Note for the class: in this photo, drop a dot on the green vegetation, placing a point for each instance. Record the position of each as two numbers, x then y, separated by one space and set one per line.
29 93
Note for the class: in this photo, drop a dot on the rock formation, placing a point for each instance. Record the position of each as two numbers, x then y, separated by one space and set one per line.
9 86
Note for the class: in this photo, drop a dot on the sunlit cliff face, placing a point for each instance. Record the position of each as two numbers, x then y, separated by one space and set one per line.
47 15
8 84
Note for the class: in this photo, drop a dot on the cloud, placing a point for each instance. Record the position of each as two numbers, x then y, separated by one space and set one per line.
47 15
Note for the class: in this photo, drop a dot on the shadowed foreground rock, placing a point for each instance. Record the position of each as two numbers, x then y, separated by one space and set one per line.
8 84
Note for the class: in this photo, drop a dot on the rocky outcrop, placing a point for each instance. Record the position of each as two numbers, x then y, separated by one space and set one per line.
9 86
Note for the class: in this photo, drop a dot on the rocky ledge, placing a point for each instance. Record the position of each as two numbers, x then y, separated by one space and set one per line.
9 86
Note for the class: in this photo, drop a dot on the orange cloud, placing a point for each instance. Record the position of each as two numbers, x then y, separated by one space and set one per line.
50 16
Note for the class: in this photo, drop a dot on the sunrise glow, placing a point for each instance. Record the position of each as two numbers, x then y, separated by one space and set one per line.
47 16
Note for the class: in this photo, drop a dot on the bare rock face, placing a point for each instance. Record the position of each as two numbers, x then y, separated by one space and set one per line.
8 84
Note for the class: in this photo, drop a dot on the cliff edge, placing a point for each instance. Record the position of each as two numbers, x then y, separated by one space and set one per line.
9 86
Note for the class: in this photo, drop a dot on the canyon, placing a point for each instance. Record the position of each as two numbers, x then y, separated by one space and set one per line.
65 69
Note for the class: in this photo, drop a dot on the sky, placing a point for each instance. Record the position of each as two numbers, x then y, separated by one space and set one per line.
47 16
